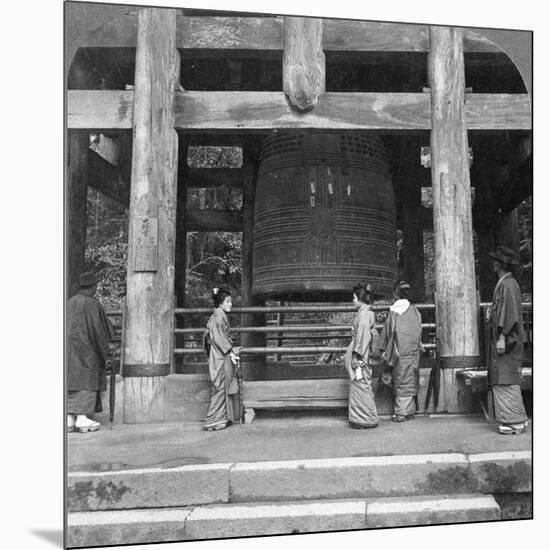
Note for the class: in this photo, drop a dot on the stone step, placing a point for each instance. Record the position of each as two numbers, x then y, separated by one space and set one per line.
240 520
278 481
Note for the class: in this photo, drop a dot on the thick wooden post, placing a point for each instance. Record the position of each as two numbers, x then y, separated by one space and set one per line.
180 282
456 299
484 173
487 278
150 280
181 230
77 188
507 230
303 61
253 365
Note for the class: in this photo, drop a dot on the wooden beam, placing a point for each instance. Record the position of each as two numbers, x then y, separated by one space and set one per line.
108 179
410 179
268 111
284 393
303 62
78 148
181 232
215 177
498 112
266 33
223 140
507 230
151 242
485 175
213 220
345 35
234 33
518 188
98 109
456 299
256 111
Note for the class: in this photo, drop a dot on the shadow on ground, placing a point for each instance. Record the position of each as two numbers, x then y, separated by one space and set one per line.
53 536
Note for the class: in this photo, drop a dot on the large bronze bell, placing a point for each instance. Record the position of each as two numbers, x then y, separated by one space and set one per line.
324 217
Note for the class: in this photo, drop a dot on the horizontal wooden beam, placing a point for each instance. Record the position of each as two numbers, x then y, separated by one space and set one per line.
107 179
214 177
213 220
498 112
342 35
253 111
100 109
265 111
266 33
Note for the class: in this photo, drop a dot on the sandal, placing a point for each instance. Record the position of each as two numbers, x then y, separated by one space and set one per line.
87 425
358 427
399 418
85 429
514 429
216 428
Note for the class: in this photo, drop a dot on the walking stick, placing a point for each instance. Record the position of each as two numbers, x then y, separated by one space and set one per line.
112 383
437 375
430 389
434 381
239 373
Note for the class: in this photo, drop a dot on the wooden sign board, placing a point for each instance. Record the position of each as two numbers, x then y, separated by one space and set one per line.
146 243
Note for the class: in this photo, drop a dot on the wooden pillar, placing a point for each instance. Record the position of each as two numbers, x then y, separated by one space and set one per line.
487 278
507 230
484 173
152 219
77 189
456 298
181 229
180 282
253 365
410 177
303 61
494 227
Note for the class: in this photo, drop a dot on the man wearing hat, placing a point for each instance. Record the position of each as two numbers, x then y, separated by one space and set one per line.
88 335
506 345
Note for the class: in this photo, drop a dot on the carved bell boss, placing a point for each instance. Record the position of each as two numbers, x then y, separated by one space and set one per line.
324 217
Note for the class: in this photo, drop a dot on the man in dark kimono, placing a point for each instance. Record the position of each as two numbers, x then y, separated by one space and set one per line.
401 345
88 334
506 345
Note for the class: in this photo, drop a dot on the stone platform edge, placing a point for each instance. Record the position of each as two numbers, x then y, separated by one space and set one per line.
259 519
308 479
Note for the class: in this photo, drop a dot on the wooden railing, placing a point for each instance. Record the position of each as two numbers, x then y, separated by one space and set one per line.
289 333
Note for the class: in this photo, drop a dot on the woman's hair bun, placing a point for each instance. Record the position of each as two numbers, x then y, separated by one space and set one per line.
219 295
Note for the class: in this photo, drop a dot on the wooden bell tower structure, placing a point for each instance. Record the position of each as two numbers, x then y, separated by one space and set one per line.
160 112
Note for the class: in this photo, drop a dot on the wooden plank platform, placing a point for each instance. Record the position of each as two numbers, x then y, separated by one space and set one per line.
476 379
291 394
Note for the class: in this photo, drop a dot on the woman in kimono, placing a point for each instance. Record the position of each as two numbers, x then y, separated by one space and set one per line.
221 358
362 408
401 345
